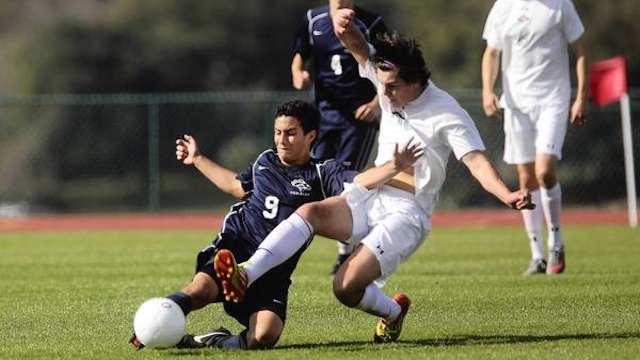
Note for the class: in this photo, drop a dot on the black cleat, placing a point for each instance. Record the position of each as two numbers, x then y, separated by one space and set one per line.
201 341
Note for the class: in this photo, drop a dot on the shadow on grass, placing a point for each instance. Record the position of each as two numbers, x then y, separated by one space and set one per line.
463 340
457 340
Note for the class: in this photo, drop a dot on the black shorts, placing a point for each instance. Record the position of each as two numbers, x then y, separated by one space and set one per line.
270 292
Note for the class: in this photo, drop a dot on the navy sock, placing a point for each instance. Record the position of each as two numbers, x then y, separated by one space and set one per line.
183 300
234 341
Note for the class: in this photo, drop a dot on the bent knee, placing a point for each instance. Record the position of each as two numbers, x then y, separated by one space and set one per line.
309 211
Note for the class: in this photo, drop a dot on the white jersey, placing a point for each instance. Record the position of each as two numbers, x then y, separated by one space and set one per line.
533 36
438 122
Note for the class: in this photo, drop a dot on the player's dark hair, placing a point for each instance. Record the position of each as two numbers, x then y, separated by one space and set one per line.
395 51
304 111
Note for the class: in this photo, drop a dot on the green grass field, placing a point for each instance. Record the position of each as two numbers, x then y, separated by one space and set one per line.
73 296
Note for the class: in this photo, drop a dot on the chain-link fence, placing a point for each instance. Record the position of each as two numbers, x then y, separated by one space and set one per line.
116 153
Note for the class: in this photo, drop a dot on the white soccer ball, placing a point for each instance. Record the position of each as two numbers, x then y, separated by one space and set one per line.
159 323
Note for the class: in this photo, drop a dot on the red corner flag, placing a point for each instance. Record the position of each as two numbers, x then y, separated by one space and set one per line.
608 81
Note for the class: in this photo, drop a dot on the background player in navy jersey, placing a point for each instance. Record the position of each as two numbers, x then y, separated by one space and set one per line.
277 183
348 104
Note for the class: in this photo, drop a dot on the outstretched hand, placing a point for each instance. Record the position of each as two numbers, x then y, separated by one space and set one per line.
408 154
187 149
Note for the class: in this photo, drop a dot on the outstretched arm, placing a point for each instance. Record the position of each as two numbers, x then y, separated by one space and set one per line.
343 16
487 175
188 153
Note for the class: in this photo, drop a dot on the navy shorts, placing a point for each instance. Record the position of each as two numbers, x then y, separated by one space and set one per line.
270 292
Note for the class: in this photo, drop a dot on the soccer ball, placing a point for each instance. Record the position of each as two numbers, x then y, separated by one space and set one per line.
159 323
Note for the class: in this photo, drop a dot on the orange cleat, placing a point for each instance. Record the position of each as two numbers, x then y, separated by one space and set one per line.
231 275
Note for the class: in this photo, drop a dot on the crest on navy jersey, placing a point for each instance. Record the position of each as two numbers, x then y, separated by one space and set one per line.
302 186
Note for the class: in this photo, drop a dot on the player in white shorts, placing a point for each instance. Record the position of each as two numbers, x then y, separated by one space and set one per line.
530 39
393 220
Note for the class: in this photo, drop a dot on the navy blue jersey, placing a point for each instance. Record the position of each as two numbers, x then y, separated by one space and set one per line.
275 191
338 85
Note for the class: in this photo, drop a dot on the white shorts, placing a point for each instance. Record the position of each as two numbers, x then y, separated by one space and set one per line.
390 222
539 130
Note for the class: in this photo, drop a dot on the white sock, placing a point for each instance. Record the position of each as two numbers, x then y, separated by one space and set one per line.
375 302
533 226
282 243
552 205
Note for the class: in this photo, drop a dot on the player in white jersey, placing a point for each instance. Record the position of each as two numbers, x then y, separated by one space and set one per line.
530 39
394 220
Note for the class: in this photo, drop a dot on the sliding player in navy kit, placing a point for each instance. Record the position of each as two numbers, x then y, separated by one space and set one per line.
280 180
348 104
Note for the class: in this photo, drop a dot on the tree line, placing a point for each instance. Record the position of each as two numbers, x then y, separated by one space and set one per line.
111 46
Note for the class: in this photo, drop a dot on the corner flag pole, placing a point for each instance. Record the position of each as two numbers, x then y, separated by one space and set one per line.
628 160
607 84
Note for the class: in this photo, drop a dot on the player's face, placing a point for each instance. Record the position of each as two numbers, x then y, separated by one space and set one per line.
292 143
396 90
